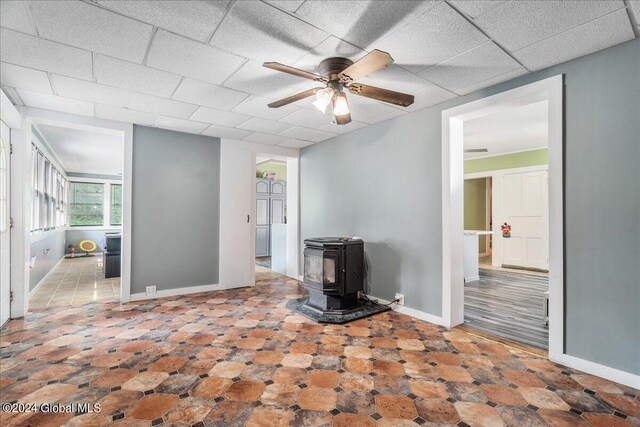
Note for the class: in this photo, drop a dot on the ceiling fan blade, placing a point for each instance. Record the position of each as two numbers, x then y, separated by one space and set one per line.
386 95
343 119
294 98
295 71
370 63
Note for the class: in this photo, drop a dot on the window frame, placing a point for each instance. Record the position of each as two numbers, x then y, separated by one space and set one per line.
106 203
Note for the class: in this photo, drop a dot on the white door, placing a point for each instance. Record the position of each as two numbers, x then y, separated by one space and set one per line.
525 207
237 225
5 287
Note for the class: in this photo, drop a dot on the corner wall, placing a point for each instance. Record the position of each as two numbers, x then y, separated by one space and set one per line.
383 182
175 210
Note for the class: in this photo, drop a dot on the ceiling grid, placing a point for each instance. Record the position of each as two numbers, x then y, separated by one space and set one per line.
197 66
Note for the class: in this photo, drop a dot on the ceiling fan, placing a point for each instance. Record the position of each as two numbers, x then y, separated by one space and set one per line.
338 74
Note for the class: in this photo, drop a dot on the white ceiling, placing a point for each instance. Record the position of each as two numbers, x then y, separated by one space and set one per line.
196 66
515 129
85 151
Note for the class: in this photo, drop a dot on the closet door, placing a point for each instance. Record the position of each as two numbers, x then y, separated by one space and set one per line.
277 210
263 235
278 188
262 186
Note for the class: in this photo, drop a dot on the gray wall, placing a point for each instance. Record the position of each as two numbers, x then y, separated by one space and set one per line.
54 241
383 183
175 210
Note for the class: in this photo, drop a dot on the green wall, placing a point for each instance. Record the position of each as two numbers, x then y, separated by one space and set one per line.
507 161
475 208
270 166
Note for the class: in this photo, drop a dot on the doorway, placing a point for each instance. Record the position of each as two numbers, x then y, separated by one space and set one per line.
271 214
76 217
454 174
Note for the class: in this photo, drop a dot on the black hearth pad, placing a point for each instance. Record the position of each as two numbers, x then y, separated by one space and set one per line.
367 309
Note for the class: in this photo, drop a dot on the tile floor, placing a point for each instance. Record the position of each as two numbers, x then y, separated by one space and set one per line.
76 281
240 357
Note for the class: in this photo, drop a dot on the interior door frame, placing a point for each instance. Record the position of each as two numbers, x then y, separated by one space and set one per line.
22 197
550 89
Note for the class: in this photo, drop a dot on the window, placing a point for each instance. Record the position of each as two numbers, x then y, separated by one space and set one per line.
86 204
116 204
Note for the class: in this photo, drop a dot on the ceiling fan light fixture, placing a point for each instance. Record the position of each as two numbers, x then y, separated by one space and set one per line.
323 99
340 104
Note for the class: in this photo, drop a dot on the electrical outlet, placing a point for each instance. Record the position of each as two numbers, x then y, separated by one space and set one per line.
151 290
400 299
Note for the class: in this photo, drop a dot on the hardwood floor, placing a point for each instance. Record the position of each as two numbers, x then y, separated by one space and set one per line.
508 305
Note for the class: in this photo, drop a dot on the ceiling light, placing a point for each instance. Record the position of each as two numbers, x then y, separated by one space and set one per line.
340 104
323 99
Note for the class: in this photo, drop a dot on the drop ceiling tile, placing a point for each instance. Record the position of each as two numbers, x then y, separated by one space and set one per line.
389 115
367 110
288 5
309 118
135 77
395 78
428 96
258 80
125 115
341 129
299 132
295 143
225 132
90 27
330 47
257 106
163 106
592 37
201 93
475 8
362 23
261 32
180 125
195 19
634 7
264 138
481 63
13 95
435 36
257 124
219 117
24 78
182 56
34 52
92 92
324 137
492 81
15 15
55 103
523 23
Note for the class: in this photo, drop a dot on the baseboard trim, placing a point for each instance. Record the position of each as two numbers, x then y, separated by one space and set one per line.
33 291
612 374
175 292
471 279
300 278
403 309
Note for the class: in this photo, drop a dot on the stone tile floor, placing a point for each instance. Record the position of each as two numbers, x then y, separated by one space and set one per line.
239 357
74 282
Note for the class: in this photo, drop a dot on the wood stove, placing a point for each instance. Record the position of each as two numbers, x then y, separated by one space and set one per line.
333 273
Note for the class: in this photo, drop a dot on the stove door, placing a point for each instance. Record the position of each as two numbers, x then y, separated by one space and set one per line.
321 269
